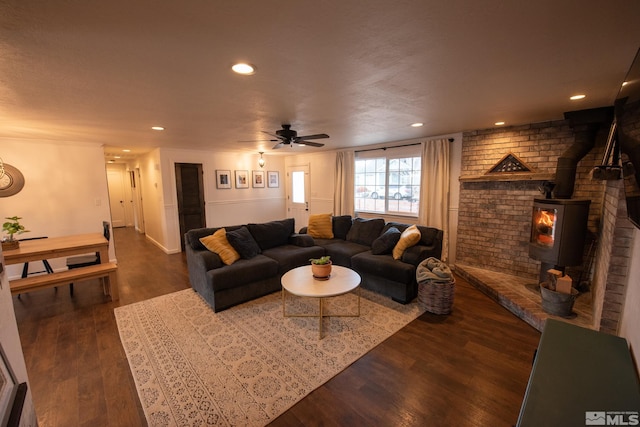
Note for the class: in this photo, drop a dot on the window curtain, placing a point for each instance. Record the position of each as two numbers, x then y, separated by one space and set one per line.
434 189
343 185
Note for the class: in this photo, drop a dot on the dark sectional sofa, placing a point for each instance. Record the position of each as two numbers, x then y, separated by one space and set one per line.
352 244
282 249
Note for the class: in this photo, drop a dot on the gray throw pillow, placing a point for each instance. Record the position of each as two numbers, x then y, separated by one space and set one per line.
341 226
385 243
365 231
243 242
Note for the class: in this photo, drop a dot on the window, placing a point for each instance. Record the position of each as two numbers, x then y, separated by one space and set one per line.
388 181
297 187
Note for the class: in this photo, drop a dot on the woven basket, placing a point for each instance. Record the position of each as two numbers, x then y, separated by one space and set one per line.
436 297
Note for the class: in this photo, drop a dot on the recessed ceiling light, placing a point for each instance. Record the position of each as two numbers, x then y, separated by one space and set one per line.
417 125
499 123
157 128
624 84
243 68
116 157
577 97
126 150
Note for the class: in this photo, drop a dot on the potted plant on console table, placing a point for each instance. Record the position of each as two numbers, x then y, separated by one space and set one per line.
321 267
12 227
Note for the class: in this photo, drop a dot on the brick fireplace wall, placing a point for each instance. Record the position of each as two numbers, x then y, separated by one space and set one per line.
494 220
613 259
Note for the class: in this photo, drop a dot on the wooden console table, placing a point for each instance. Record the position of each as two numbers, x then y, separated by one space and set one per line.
59 247
580 377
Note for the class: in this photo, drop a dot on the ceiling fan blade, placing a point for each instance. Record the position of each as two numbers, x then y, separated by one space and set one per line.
274 135
311 144
261 140
278 145
316 136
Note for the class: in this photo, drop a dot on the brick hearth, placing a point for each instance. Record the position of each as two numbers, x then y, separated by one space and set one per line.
520 296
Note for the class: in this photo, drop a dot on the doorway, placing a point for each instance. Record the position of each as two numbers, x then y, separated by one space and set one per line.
297 189
190 192
115 183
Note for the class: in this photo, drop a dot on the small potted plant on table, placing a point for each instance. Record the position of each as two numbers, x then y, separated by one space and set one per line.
12 227
321 267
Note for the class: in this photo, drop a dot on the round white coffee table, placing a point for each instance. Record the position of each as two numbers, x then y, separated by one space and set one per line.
300 282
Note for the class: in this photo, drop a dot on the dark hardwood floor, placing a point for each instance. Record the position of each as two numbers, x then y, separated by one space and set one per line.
466 369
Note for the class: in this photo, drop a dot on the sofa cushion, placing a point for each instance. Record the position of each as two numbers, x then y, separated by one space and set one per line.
385 266
302 240
272 234
291 256
243 272
386 242
243 242
365 231
341 226
192 237
409 237
342 251
320 226
429 235
218 243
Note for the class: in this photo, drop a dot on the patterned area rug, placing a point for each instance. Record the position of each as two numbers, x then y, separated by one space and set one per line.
248 364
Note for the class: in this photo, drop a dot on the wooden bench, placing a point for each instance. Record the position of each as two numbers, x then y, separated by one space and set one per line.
105 270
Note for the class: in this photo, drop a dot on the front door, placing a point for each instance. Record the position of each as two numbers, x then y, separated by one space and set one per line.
297 187
190 191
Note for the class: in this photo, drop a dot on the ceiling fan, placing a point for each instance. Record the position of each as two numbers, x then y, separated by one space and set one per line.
288 136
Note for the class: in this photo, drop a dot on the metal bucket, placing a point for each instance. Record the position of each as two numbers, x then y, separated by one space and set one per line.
557 303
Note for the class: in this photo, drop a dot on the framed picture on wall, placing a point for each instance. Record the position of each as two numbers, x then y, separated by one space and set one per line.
258 179
273 179
242 179
223 179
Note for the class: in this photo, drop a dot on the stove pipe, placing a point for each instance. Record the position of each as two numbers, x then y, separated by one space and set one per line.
585 124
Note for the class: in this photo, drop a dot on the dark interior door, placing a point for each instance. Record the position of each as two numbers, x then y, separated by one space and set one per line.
190 198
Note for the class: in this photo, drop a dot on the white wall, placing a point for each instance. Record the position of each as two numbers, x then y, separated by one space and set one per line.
322 168
631 310
222 206
65 191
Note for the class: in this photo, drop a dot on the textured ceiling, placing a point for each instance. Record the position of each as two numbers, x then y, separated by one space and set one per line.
360 71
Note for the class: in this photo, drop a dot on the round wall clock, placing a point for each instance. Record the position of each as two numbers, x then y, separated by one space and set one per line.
12 181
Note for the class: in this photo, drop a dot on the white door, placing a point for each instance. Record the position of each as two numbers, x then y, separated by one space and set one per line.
137 202
297 187
115 180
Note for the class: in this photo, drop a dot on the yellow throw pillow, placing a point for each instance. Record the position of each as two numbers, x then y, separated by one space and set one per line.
408 238
320 226
219 244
